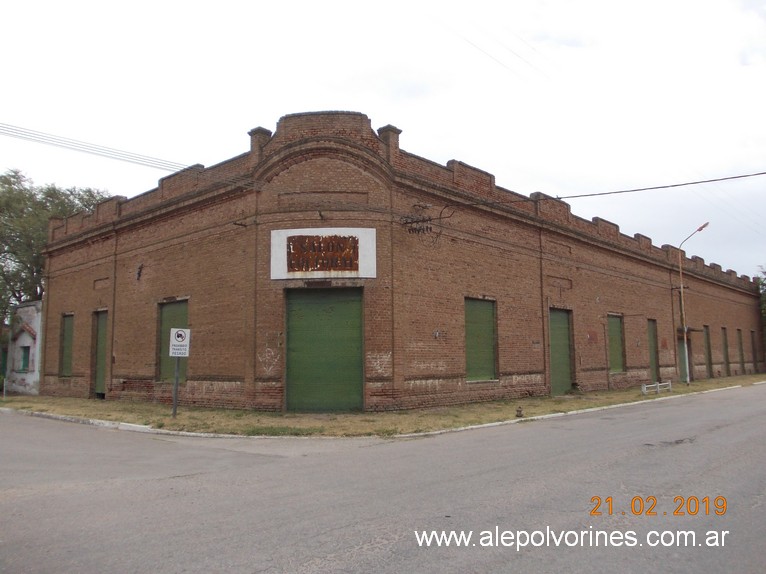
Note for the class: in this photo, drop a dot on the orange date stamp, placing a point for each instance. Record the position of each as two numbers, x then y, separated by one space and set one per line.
647 506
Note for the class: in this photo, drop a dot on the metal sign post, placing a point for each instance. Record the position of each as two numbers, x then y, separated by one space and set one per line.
179 347
175 389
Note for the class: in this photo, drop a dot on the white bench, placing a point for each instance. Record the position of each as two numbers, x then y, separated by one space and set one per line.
656 387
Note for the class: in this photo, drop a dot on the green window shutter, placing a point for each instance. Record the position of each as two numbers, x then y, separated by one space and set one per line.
172 316
25 358
480 340
616 345
67 341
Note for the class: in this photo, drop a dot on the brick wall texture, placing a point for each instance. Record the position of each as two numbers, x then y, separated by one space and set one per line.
443 234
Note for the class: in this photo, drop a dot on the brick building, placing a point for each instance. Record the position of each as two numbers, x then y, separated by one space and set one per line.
327 269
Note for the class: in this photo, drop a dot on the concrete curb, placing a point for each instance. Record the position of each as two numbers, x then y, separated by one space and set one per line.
147 429
556 415
114 425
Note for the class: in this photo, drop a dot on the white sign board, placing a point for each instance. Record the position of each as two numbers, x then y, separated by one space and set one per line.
179 342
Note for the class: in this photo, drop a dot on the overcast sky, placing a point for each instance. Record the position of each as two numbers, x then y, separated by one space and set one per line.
565 97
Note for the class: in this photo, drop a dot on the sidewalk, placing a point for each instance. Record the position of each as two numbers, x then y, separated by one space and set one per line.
155 418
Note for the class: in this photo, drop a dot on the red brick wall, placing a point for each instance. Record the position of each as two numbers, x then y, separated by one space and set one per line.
444 233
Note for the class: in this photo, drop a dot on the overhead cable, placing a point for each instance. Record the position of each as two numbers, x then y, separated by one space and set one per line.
699 182
111 153
40 137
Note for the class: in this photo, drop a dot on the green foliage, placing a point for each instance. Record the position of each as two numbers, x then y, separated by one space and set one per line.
24 213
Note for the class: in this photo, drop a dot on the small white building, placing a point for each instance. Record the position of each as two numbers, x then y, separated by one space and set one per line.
23 369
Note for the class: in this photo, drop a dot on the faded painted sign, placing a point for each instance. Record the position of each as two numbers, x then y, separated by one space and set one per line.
322 253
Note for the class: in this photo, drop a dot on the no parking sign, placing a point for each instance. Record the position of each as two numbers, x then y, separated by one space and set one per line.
179 347
179 342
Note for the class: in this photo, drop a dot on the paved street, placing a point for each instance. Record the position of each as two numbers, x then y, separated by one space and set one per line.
75 498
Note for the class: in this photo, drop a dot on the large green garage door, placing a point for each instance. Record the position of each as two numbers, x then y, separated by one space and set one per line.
325 370
561 351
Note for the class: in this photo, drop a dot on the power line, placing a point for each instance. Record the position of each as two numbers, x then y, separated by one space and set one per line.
407 220
491 203
699 182
148 161
724 199
111 153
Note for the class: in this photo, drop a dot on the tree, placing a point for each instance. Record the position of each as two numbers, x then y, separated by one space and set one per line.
24 213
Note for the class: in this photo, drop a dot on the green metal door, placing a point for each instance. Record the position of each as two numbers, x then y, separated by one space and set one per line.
725 347
654 354
100 353
741 349
174 315
325 368
561 351
480 340
67 342
616 344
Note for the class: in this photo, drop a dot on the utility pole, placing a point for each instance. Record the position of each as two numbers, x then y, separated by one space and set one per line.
684 328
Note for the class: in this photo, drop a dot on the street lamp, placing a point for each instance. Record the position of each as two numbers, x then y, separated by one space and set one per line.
684 328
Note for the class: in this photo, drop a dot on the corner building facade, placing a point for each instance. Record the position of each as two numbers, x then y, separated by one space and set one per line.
327 269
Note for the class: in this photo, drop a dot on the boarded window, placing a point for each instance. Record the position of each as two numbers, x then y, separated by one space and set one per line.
616 344
725 349
67 340
480 340
172 316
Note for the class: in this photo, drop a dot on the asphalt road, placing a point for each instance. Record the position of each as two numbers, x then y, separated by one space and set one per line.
75 498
